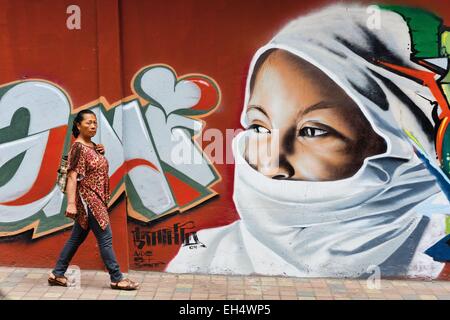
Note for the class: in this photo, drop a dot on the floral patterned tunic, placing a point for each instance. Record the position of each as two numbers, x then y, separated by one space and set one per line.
93 184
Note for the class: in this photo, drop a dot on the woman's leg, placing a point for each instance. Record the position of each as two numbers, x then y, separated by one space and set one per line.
70 248
104 240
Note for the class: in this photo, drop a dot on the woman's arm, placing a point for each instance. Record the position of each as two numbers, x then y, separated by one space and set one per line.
76 169
71 190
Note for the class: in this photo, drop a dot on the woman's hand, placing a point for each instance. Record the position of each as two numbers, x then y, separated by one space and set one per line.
71 211
100 148
72 208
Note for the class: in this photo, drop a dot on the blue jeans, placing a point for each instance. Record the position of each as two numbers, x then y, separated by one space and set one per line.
104 240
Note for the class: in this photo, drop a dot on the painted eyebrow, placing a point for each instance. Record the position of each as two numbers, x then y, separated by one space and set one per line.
318 106
257 108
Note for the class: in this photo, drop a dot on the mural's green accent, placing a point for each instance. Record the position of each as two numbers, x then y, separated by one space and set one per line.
68 135
446 80
424 27
445 51
446 152
17 130
116 189
447 224
20 122
446 88
9 169
445 44
109 114
413 138
5 88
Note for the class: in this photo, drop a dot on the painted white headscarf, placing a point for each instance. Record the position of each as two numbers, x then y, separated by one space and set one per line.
338 228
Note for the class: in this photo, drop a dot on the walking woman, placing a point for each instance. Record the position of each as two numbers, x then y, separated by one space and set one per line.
88 195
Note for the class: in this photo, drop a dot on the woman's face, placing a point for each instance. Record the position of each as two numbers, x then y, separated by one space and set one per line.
303 125
88 126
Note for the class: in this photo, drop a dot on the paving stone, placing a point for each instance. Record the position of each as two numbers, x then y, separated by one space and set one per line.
52 295
427 297
217 296
199 296
252 297
270 297
410 297
305 294
306 298
394 297
162 298
88 296
125 298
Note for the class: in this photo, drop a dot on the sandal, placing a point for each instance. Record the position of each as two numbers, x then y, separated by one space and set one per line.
130 285
57 280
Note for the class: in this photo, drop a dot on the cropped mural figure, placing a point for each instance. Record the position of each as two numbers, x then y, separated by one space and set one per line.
139 133
355 118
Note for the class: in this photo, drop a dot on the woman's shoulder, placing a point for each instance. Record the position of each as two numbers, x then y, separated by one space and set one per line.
80 145
76 145
76 149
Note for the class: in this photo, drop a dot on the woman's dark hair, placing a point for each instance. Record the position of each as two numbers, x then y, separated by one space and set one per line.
78 118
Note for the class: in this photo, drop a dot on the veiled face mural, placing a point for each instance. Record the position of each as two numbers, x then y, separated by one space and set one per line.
320 148
320 133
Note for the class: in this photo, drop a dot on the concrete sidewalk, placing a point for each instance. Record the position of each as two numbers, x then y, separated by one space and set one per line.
31 284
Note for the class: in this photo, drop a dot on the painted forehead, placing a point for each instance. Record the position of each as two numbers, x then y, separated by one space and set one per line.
310 84
311 74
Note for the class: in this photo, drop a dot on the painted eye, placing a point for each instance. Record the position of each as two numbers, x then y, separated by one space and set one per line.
258 129
311 132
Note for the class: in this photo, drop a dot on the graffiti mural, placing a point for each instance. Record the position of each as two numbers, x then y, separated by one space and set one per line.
355 115
139 132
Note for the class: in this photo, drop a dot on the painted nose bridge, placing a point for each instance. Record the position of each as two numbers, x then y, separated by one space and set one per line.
273 160
286 141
